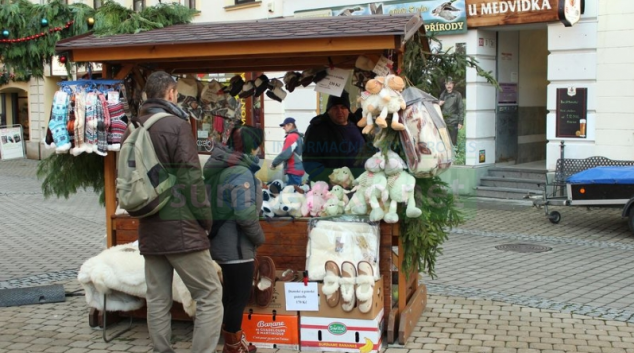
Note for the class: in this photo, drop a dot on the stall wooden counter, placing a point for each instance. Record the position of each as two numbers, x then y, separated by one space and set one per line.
274 45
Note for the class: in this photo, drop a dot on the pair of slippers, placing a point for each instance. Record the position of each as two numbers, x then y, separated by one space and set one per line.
263 281
348 285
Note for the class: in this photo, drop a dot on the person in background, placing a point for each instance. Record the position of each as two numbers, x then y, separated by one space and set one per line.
236 199
452 109
175 238
291 154
333 140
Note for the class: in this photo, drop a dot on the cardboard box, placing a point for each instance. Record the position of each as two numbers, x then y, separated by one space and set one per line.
341 335
326 311
277 305
272 331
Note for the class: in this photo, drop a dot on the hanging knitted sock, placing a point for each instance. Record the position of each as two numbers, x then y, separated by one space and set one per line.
80 121
57 124
103 122
90 126
117 126
124 101
70 126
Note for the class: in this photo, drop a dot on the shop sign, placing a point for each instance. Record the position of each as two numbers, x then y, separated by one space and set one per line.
572 112
439 16
11 144
483 13
570 11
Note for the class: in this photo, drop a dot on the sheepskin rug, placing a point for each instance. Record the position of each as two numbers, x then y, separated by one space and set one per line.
119 272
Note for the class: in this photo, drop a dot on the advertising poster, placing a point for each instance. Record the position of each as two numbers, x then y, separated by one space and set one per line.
440 16
11 145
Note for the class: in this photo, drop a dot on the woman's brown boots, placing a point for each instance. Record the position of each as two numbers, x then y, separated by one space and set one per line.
236 343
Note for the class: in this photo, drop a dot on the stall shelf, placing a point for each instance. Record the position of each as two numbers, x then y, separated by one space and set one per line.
264 46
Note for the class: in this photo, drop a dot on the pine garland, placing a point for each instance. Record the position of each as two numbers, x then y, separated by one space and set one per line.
65 174
23 20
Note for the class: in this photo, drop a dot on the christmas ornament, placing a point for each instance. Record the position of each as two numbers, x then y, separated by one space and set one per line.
5 33
44 22
62 59
90 21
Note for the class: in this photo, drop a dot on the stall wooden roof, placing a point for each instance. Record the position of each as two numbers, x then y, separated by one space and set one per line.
261 45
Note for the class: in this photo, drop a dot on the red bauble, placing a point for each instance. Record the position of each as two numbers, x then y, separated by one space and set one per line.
62 59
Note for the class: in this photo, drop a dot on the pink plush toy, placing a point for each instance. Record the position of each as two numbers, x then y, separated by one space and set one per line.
315 199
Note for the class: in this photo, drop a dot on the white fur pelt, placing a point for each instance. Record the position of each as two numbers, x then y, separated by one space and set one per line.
119 272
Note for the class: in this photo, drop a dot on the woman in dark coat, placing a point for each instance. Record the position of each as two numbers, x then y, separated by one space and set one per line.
236 199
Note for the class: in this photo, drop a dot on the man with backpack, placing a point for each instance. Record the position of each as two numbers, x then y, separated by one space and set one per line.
174 235
291 154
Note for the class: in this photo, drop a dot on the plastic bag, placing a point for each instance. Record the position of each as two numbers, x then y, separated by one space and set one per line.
425 140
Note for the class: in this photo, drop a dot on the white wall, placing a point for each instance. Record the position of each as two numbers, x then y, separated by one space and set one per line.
573 62
614 128
533 68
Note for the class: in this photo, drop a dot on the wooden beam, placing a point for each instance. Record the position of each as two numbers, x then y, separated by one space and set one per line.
308 46
125 70
263 65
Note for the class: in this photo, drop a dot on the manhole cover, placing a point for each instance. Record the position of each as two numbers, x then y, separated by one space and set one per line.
523 248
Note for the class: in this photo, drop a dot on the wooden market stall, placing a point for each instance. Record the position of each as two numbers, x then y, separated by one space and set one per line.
263 46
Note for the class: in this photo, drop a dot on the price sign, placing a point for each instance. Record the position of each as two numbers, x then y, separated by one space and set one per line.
301 297
334 82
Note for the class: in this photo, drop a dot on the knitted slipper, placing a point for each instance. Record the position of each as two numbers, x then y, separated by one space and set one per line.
90 126
346 285
288 276
365 286
331 283
117 126
80 121
266 283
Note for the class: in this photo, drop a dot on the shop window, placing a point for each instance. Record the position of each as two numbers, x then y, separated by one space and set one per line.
240 2
191 4
139 5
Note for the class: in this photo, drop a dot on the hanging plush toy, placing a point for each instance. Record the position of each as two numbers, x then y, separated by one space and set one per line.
59 120
401 187
371 104
391 94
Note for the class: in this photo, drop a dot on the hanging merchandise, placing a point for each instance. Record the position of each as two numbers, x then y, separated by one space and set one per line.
425 139
87 116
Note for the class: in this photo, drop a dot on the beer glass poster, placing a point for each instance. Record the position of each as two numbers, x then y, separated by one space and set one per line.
572 112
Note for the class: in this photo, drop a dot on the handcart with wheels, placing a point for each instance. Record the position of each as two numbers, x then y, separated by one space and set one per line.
590 182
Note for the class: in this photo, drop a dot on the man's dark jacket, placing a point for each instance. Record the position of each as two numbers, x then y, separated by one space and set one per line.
182 225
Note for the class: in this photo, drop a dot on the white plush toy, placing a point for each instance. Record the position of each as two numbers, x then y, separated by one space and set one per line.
332 207
267 209
371 104
340 193
370 188
288 203
400 185
391 94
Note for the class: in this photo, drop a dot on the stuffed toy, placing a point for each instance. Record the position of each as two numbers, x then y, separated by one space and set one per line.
316 198
332 207
370 188
340 193
267 195
276 186
288 203
391 94
267 209
342 176
400 185
371 104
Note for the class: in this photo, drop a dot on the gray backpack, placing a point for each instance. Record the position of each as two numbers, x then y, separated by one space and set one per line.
143 184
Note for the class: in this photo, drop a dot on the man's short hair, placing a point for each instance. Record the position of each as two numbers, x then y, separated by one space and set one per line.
158 84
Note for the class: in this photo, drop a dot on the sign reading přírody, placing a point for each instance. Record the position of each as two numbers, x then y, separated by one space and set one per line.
440 16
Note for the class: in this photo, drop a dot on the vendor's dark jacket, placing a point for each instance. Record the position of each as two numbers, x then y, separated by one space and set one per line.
236 200
182 225
453 108
323 149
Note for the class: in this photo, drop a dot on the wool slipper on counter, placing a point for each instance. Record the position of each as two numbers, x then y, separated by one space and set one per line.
264 287
346 285
365 286
331 283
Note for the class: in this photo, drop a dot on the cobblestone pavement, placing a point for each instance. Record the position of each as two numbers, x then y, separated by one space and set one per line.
574 298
